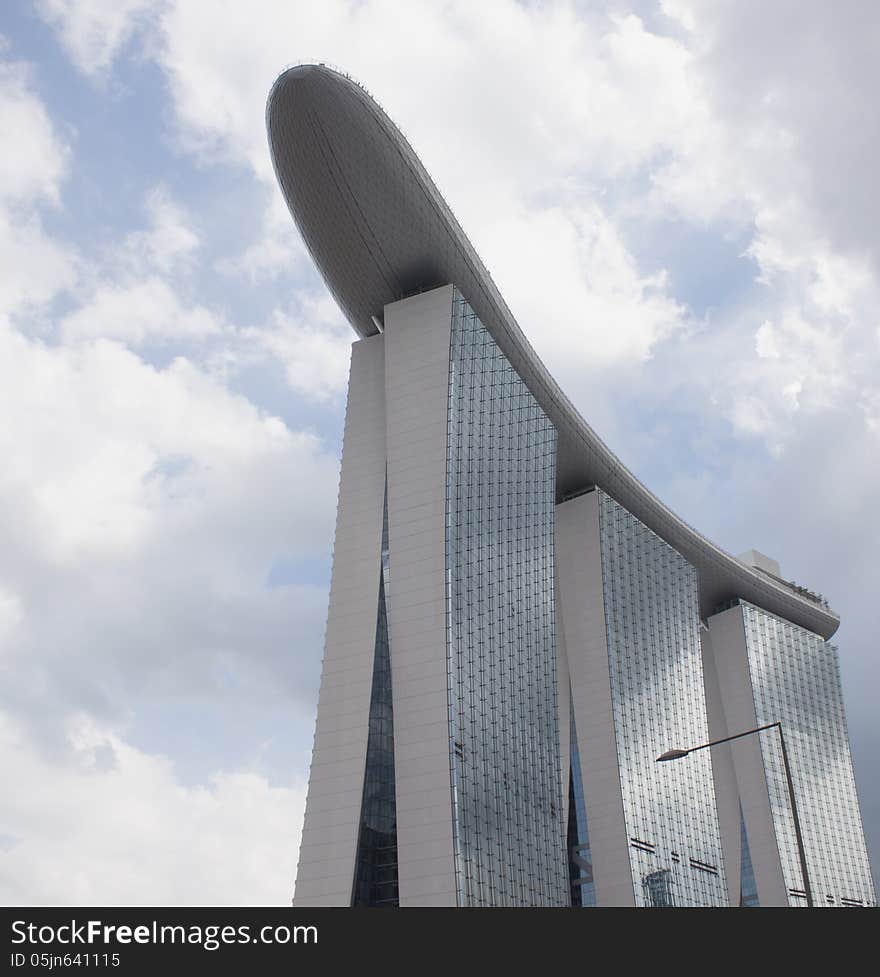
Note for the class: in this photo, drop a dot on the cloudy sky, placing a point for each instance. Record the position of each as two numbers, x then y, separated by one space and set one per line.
678 200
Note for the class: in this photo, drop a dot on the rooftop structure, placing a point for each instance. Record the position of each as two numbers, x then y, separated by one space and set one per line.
378 230
518 627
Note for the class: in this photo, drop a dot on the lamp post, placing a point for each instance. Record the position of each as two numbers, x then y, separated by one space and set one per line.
678 754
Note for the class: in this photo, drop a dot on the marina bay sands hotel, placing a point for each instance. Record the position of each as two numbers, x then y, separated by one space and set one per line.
517 627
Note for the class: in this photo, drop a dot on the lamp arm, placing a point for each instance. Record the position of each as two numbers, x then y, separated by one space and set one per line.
735 736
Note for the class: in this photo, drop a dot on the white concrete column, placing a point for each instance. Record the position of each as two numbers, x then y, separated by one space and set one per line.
581 607
726 792
727 633
417 338
328 850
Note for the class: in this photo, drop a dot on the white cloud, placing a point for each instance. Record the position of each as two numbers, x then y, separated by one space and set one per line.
94 31
87 432
144 506
129 833
806 72
789 154
34 167
11 618
606 315
143 511
132 298
314 347
170 241
35 267
277 252
144 311
815 351
765 341
871 407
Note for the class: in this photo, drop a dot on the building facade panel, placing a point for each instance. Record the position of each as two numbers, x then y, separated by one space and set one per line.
508 807
653 622
328 851
637 688
417 336
795 679
726 645
726 793
582 616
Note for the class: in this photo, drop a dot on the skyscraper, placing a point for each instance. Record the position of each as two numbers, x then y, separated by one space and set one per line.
517 627
761 669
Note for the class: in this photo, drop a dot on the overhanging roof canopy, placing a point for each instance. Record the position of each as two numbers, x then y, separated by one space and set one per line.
378 229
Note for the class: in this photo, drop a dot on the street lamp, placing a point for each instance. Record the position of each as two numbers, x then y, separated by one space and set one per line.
678 754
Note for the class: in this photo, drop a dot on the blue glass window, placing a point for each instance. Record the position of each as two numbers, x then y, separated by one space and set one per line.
653 633
580 862
508 829
796 681
376 873
748 890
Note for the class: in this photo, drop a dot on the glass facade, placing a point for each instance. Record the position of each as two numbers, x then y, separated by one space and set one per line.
796 681
507 801
748 890
580 861
652 620
375 881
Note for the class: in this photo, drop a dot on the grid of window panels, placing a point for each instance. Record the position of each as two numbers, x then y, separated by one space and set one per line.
580 859
796 681
748 890
507 802
652 620
375 882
